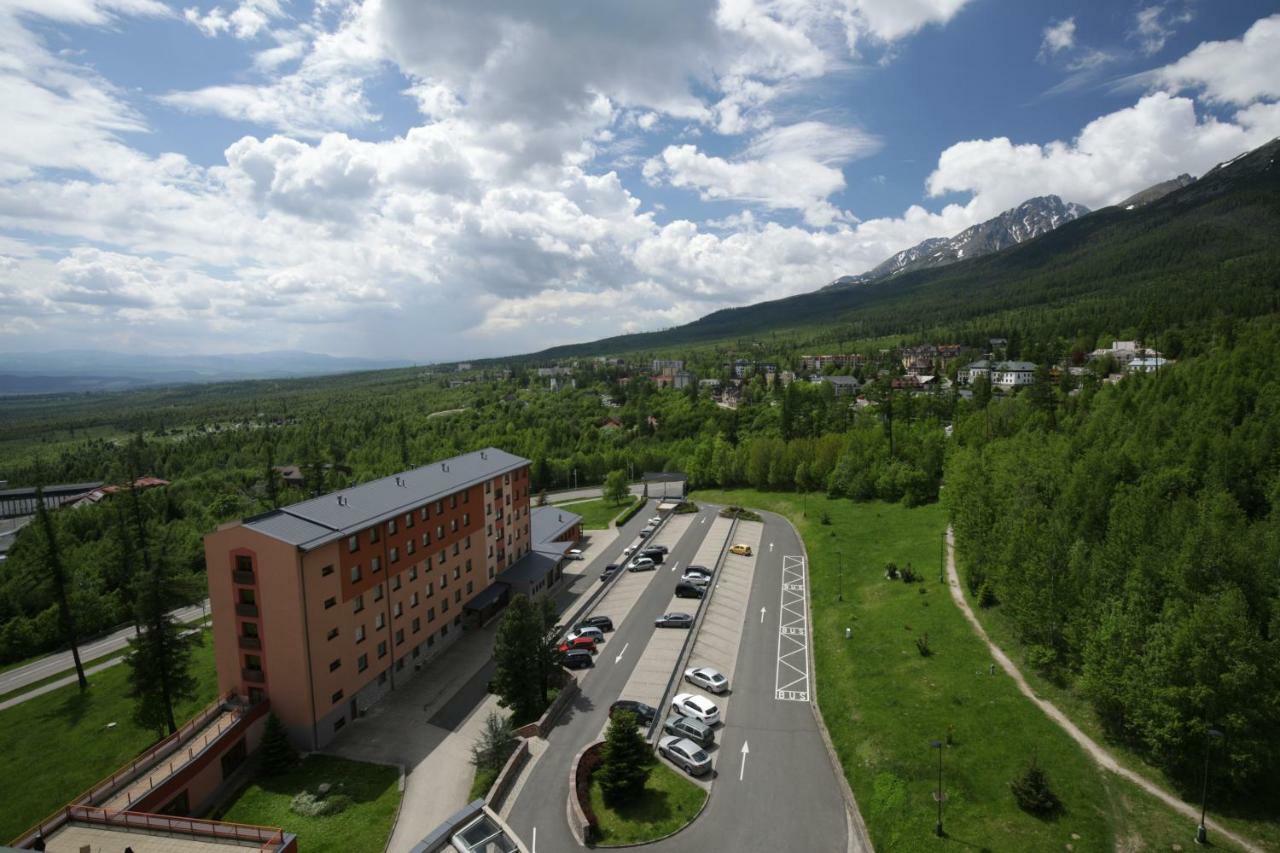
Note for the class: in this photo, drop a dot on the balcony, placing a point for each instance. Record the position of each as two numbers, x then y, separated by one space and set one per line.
250 642
243 609
253 676
242 576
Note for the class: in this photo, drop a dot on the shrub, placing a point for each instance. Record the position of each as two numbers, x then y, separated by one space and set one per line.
740 513
909 574
987 595
922 646
685 507
825 518
1033 793
891 571
494 745
319 804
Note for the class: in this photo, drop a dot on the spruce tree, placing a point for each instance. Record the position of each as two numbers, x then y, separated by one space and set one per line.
58 577
626 760
518 678
1033 793
278 755
159 658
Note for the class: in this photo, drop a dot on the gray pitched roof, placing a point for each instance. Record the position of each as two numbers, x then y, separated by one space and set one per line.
548 522
321 520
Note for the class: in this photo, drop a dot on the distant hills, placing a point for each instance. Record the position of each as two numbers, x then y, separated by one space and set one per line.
1025 222
1156 192
1201 250
68 371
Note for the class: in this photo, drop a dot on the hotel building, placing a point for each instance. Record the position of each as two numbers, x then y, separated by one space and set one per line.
326 605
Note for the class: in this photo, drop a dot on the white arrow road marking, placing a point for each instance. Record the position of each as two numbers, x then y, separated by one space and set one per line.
761 615
743 768
673 565
621 653
770 547
704 520
535 839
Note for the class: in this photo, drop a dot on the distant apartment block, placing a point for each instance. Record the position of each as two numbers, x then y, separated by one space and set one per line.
326 605
667 367
817 363
1007 375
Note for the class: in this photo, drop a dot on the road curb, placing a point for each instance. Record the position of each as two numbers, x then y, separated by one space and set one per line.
857 827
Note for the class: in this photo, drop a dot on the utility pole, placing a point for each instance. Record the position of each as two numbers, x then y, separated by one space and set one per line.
1210 735
937 829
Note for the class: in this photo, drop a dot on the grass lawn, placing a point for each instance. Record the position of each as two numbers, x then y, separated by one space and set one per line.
361 828
669 802
883 702
1260 828
596 514
55 746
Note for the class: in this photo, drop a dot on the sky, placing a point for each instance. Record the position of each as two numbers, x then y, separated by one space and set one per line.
436 181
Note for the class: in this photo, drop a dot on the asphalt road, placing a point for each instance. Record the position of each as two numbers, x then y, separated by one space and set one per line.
586 493
60 662
788 796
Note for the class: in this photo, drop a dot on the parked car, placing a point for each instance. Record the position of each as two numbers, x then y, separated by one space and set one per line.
577 659
698 570
604 623
578 643
642 564
663 548
586 631
741 550
689 590
573 554
609 571
655 554
673 620
629 550
685 754
695 579
700 708
646 532
644 713
687 727
711 680
655 521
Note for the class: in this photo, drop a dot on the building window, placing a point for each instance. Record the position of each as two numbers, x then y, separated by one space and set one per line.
457 573
444 605
457 596
453 501
373 535
362 663
408 519
409 546
455 549
379 621
488 487
391 527
399 609
431 614
413 600
469 585
443 555
335 664
338 724
413 573
431 640
336 698
353 544
439 531
466 518
330 603
382 649
426 539
444 581
395 582
439 507
466 543
453 525
356 573
359 603
444 631
468 565
333 634
326 571
399 636
466 497
417 624
244 563
375 565
359 633
377 592
395 555
424 513
430 588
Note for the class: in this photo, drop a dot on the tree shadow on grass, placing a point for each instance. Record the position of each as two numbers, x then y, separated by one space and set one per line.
73 709
651 807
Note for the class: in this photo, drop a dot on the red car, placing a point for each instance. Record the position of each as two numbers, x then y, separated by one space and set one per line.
579 643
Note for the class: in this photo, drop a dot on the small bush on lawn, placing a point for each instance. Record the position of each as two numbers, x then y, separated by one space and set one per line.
1033 793
922 646
909 574
308 804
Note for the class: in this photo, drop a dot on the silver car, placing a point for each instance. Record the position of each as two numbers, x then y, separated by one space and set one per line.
685 754
687 727
707 678
695 579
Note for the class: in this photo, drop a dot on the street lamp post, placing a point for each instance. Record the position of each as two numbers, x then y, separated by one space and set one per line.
840 573
937 829
1210 735
575 478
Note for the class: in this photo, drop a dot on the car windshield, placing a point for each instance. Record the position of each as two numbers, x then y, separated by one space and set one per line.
699 755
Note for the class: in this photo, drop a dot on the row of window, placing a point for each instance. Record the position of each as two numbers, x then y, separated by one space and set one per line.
353 541
375 563
338 695
362 661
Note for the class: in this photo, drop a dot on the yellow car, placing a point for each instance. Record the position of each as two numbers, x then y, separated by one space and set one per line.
741 550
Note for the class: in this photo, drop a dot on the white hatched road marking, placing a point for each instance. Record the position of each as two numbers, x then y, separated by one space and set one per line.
791 681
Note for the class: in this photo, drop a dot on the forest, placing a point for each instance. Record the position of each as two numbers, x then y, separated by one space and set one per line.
1132 536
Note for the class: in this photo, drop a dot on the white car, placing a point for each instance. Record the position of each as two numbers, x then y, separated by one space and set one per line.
594 633
699 707
695 579
655 521
710 680
574 554
685 754
629 550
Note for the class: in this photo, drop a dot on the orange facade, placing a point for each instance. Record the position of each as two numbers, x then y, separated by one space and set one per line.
325 628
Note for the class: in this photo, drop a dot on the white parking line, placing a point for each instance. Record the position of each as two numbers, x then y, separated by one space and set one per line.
791 681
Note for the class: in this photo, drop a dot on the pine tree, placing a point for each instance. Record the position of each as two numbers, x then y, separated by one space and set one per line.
278 754
625 761
159 658
1033 793
495 744
517 680
58 577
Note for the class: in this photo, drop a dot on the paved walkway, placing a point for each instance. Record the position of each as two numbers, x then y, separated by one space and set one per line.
1098 753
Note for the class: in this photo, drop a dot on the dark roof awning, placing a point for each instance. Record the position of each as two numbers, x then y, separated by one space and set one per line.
489 596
